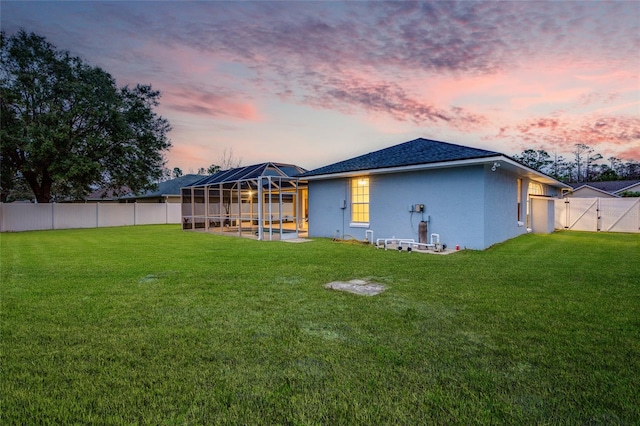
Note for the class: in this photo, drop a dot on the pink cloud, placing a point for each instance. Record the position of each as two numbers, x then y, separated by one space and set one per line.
617 134
630 153
201 102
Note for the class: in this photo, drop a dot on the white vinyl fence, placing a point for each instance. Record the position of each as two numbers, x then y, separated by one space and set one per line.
598 214
15 217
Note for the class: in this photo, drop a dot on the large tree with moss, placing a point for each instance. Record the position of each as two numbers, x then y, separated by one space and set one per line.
66 128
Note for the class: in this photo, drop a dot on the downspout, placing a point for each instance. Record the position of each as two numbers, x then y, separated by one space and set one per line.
346 202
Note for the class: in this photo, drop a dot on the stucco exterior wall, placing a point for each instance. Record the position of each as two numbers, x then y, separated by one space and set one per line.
325 213
452 202
472 207
501 206
542 215
453 198
589 193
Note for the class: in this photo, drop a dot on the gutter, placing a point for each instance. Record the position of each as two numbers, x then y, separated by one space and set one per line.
442 165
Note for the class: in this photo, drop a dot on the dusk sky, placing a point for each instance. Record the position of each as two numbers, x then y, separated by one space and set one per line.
312 83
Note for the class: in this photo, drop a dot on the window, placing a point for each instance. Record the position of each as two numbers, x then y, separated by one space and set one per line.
534 189
360 200
519 199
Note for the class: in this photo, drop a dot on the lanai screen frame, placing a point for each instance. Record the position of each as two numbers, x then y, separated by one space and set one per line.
254 207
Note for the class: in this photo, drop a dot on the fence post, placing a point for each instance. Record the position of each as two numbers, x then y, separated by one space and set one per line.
53 215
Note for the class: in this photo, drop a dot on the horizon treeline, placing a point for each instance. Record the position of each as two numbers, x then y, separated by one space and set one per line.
584 165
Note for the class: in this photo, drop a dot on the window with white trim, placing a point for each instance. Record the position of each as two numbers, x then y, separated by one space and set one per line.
535 188
360 200
519 198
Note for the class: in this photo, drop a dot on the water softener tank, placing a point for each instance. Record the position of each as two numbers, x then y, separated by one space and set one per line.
422 232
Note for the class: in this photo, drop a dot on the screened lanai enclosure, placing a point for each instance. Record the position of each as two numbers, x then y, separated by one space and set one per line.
264 201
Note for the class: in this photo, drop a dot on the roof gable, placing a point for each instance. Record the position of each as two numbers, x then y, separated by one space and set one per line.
590 191
417 151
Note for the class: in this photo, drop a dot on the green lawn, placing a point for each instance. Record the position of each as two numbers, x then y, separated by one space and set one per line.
154 325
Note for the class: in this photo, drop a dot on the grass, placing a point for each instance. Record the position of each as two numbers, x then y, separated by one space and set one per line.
154 325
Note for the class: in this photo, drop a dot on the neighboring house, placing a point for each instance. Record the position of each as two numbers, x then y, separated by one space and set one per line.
605 189
166 192
103 196
471 197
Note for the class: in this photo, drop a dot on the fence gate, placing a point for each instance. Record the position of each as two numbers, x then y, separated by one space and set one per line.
598 214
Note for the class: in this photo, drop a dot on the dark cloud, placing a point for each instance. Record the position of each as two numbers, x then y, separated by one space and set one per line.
390 99
419 37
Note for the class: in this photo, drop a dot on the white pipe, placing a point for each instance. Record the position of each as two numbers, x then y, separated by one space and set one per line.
366 235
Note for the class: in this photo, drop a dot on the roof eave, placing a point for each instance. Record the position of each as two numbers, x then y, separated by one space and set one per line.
529 172
626 188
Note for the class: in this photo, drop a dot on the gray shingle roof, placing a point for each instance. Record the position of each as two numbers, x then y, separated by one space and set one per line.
417 151
610 186
168 187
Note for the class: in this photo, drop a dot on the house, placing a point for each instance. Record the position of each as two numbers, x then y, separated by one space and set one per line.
470 197
166 192
104 196
605 189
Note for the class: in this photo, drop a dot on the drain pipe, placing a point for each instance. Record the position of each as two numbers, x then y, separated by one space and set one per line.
366 236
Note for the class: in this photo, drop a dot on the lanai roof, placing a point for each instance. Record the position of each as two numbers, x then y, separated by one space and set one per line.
251 172
417 151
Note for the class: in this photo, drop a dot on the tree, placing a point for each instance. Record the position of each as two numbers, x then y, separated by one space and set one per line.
631 169
67 128
588 169
537 160
606 173
177 172
228 160
558 168
213 169
578 152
